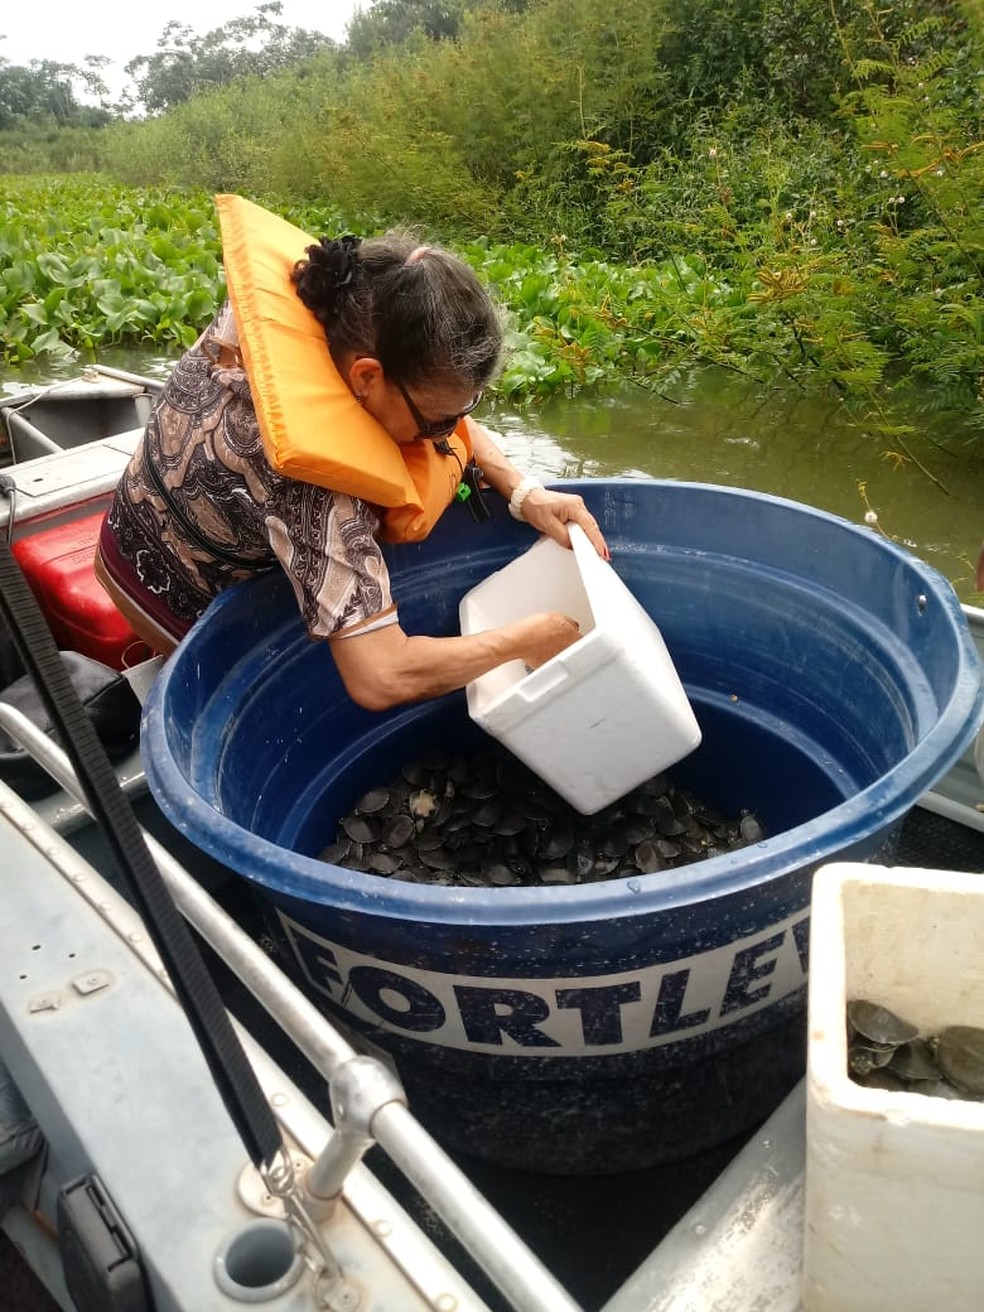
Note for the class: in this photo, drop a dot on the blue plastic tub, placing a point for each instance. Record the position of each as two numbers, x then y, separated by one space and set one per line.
614 1024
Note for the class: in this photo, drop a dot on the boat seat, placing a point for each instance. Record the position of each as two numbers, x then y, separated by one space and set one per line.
109 699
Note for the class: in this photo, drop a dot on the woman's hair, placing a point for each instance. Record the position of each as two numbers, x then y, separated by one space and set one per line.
420 311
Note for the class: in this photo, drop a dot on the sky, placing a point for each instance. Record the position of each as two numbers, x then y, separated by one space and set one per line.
66 30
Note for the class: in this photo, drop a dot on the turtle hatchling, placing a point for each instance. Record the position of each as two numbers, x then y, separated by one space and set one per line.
487 820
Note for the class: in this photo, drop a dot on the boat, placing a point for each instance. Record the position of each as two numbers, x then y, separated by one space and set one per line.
127 1183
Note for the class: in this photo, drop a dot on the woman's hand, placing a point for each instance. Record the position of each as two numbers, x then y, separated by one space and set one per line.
544 634
550 512
546 511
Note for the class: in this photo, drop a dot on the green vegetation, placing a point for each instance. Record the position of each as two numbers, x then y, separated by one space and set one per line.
84 263
786 189
185 65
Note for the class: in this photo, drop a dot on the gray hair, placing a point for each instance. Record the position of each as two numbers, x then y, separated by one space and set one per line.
417 309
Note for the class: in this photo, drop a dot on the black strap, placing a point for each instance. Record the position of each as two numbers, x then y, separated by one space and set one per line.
469 484
196 990
475 500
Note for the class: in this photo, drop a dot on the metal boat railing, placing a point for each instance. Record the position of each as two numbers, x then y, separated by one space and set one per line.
355 1081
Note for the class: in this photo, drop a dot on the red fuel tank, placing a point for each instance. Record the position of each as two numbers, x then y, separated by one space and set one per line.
57 563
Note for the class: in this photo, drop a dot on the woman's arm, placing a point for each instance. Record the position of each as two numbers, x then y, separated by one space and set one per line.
544 510
386 666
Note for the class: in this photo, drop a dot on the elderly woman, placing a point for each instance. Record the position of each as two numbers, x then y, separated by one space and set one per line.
324 410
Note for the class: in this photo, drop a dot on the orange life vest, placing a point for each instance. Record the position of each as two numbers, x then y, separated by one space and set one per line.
313 428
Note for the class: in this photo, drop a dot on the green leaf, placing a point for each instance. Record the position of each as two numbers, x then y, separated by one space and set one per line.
35 311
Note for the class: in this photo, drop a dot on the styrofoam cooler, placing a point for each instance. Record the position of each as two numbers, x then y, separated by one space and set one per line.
604 714
894 1180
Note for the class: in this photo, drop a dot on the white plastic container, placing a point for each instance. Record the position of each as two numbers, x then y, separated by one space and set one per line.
894 1181
601 716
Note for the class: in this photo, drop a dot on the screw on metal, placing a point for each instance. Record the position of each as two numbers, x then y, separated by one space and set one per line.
337 1295
44 1002
91 982
254 1194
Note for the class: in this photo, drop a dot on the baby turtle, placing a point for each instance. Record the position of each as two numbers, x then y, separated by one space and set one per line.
960 1054
879 1025
915 1061
862 1060
487 820
372 801
875 1035
887 1052
359 830
399 831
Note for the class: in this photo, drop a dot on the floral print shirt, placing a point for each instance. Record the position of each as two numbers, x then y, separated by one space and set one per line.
200 507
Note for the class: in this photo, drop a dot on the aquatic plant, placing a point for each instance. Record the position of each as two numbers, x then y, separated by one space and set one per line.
86 263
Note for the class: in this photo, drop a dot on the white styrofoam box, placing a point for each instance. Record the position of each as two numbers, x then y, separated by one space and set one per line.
894 1181
604 714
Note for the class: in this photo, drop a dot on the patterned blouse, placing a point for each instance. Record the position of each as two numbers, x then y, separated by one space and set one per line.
200 507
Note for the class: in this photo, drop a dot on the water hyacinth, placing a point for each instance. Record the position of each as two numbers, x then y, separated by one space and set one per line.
88 264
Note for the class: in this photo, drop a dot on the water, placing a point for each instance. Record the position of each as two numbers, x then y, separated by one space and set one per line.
782 442
721 428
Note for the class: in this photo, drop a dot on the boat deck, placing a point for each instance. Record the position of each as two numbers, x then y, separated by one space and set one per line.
934 842
612 1241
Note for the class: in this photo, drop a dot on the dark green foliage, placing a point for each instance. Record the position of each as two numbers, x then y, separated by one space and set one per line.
394 22
45 94
85 263
781 187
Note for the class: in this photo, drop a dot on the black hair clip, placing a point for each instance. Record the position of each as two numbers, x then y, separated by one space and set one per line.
336 258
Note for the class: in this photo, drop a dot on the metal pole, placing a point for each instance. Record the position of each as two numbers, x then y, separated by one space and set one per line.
151 384
529 1286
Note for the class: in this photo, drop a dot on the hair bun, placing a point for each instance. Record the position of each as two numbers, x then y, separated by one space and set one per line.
335 260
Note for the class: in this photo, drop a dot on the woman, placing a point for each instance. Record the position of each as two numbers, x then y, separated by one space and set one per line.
269 447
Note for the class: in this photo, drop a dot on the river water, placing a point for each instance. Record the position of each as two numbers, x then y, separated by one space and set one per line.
720 428
930 501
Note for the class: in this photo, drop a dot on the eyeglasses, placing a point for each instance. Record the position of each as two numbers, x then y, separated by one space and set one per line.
434 428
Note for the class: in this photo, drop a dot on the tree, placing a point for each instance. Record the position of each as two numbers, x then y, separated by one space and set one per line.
186 63
392 22
44 92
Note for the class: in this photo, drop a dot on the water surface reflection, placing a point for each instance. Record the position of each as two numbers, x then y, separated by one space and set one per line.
929 497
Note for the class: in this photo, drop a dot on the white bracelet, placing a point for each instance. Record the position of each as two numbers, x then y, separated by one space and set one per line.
519 494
